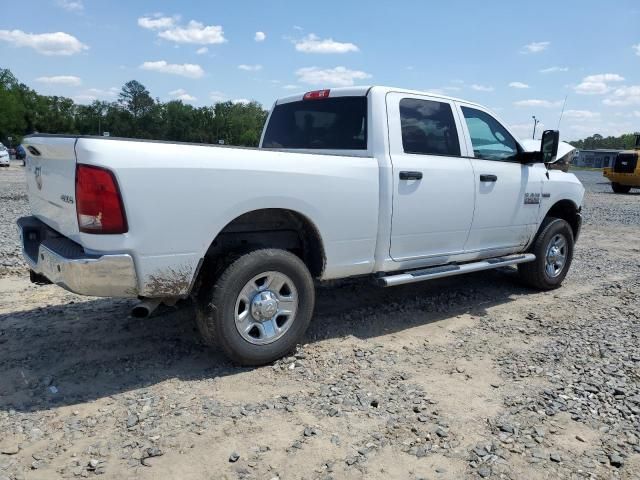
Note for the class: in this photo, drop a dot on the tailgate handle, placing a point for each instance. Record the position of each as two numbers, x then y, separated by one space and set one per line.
488 178
410 175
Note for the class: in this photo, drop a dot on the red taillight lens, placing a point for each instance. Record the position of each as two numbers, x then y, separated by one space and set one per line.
98 201
317 95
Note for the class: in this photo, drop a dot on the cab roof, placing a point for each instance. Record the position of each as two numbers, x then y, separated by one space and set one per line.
357 91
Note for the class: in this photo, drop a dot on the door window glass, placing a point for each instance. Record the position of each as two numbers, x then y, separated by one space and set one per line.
428 128
489 138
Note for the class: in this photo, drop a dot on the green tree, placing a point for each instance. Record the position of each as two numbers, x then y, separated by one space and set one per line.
135 114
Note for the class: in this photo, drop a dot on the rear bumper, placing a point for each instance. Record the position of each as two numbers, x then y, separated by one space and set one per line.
66 264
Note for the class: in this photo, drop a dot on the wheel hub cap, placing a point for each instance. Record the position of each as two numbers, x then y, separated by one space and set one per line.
266 308
264 305
556 256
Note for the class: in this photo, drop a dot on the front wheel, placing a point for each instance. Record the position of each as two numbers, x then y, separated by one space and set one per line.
553 249
259 307
617 188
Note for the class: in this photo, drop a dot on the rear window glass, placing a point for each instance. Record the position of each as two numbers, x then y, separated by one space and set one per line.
329 124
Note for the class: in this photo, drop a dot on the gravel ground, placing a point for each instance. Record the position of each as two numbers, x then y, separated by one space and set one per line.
470 377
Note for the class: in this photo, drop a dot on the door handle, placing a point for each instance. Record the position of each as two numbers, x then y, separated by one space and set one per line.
410 175
488 178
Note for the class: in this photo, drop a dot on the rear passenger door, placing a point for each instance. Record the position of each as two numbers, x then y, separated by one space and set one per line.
433 184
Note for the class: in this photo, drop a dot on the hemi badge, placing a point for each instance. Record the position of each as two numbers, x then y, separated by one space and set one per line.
546 195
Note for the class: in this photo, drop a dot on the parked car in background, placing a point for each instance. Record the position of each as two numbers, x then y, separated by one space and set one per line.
396 185
4 157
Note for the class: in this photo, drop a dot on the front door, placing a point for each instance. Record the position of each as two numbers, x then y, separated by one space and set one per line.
507 191
433 182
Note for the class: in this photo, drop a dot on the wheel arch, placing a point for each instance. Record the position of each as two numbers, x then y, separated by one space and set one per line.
570 212
265 228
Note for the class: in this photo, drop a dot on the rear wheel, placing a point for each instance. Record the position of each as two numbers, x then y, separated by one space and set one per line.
259 307
553 249
617 188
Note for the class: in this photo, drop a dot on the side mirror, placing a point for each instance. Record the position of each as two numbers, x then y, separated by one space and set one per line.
550 142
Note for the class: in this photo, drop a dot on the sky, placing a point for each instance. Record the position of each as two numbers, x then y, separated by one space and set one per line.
518 58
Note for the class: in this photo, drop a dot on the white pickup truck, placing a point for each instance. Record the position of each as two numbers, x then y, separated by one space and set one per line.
396 185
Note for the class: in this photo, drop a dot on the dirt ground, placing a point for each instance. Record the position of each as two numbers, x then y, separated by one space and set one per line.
467 377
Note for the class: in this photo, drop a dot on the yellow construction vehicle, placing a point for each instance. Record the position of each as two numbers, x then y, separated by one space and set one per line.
625 171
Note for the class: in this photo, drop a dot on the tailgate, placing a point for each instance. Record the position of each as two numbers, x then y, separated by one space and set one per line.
51 177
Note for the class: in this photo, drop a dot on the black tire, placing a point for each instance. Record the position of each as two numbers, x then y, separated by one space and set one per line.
216 305
534 274
617 188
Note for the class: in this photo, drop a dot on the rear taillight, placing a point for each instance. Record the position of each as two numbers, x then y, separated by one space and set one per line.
317 95
98 201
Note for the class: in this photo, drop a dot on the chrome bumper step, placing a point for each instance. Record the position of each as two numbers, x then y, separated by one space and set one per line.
442 271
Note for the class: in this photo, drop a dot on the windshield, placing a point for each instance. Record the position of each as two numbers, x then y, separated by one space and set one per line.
329 124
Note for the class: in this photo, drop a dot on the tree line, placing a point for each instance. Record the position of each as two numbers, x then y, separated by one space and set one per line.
623 142
135 114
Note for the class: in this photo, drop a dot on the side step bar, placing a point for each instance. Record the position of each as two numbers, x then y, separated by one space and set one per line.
451 270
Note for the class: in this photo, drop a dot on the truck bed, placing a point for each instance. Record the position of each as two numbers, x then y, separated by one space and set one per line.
179 196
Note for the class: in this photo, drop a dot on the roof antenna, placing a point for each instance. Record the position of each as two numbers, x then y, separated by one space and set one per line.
562 112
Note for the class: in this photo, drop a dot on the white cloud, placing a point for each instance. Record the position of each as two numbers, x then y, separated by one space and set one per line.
202 50
71 5
624 96
314 44
525 130
591 88
554 69
518 85
156 22
181 94
580 130
109 93
597 84
291 87
194 32
218 96
69 80
92 94
581 114
260 37
537 103
188 70
481 88
250 68
330 77
535 47
637 49
242 101
57 43
84 98
604 77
